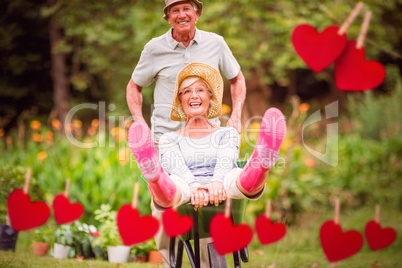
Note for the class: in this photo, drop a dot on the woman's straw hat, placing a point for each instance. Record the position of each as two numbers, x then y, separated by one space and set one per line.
214 80
171 2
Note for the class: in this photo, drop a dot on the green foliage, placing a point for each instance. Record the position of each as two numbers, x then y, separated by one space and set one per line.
368 171
144 248
64 235
109 234
105 173
82 239
43 234
258 32
11 178
378 116
103 41
369 150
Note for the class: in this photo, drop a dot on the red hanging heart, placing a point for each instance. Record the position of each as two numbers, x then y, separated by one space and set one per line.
339 245
318 50
377 237
133 228
23 213
64 211
174 224
269 232
228 238
354 73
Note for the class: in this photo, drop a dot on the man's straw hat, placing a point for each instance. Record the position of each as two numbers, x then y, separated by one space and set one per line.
171 2
214 80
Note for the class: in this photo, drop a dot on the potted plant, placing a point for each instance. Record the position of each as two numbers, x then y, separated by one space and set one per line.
141 254
82 239
109 240
154 255
63 241
11 178
42 238
147 251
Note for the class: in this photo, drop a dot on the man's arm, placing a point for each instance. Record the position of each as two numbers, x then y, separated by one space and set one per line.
238 92
134 100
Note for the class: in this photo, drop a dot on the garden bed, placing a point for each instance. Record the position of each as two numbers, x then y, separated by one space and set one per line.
299 248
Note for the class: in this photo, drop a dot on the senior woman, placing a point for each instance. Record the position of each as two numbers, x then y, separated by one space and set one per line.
197 163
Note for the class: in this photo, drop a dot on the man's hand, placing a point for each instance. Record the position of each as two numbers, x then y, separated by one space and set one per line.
199 197
216 192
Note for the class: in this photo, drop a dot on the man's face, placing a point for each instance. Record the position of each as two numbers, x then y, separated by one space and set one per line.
183 17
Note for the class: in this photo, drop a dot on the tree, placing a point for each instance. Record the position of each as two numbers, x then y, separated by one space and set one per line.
102 41
61 83
24 57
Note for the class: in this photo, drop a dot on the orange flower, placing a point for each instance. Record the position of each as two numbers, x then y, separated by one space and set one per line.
95 123
286 144
49 135
77 123
304 107
91 131
1 132
310 162
42 155
35 125
36 137
9 140
56 124
123 156
225 109
118 133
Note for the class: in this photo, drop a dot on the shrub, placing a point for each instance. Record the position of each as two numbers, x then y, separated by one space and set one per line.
43 234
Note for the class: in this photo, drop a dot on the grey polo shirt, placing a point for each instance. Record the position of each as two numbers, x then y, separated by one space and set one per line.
162 59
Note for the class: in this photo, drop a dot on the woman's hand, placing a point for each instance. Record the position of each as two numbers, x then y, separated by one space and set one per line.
199 197
216 192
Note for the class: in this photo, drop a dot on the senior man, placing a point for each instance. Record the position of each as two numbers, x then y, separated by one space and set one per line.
161 60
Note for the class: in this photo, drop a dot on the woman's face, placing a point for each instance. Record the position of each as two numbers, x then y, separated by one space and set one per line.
195 99
183 17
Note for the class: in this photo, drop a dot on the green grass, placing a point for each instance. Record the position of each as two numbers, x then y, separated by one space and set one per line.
299 248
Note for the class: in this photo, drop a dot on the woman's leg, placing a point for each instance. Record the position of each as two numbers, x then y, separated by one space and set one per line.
273 129
164 192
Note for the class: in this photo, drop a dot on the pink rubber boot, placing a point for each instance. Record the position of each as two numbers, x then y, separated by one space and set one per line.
265 155
143 148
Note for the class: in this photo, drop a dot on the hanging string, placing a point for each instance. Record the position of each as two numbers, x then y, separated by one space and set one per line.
369 41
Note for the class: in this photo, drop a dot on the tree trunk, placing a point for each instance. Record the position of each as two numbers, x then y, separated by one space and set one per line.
61 84
259 95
